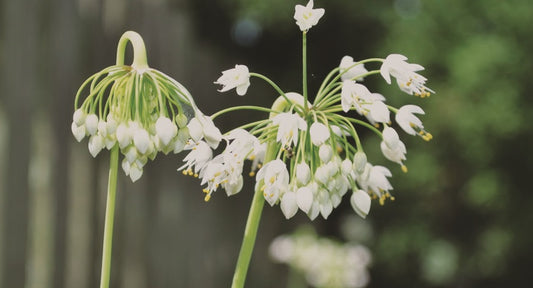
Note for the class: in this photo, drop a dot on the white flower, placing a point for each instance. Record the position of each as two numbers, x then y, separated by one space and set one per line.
123 135
390 137
202 126
288 204
288 126
354 95
78 131
319 133
198 157
378 112
304 198
405 73
409 122
79 117
359 161
396 154
378 181
275 178
135 172
355 71
303 173
165 129
307 17
238 77
325 152
96 144
243 143
141 139
91 124
360 201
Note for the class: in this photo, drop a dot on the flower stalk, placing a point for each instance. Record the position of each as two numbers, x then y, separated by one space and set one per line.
109 219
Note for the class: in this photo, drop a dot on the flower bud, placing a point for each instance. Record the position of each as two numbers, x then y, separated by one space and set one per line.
79 117
91 124
360 201
359 161
325 152
304 198
303 173
165 130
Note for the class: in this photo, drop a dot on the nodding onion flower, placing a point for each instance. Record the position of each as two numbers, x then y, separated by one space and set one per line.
314 155
140 109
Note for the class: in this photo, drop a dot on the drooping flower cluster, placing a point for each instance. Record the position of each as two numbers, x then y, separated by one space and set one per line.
141 110
311 150
323 262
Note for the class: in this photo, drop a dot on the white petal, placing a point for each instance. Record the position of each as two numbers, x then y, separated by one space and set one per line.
288 204
195 129
326 208
165 129
79 117
123 135
303 173
360 201
135 172
91 124
96 144
325 152
141 139
304 198
78 131
319 133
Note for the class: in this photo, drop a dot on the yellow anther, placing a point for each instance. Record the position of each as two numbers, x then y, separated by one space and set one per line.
184 172
195 175
205 190
271 195
259 165
252 157
272 179
339 149
376 125
190 173
404 169
392 198
207 197
252 174
382 200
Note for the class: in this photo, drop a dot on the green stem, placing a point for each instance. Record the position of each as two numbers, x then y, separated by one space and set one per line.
236 108
250 232
254 216
109 218
304 70
139 51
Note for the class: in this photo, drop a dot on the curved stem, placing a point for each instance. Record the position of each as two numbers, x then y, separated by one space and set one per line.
236 108
139 51
109 218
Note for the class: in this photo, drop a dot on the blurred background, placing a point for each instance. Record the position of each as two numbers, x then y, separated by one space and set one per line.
462 214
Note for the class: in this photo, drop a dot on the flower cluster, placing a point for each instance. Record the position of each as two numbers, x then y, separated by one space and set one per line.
311 151
324 262
141 110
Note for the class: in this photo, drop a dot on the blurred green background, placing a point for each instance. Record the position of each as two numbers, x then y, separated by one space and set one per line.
462 214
